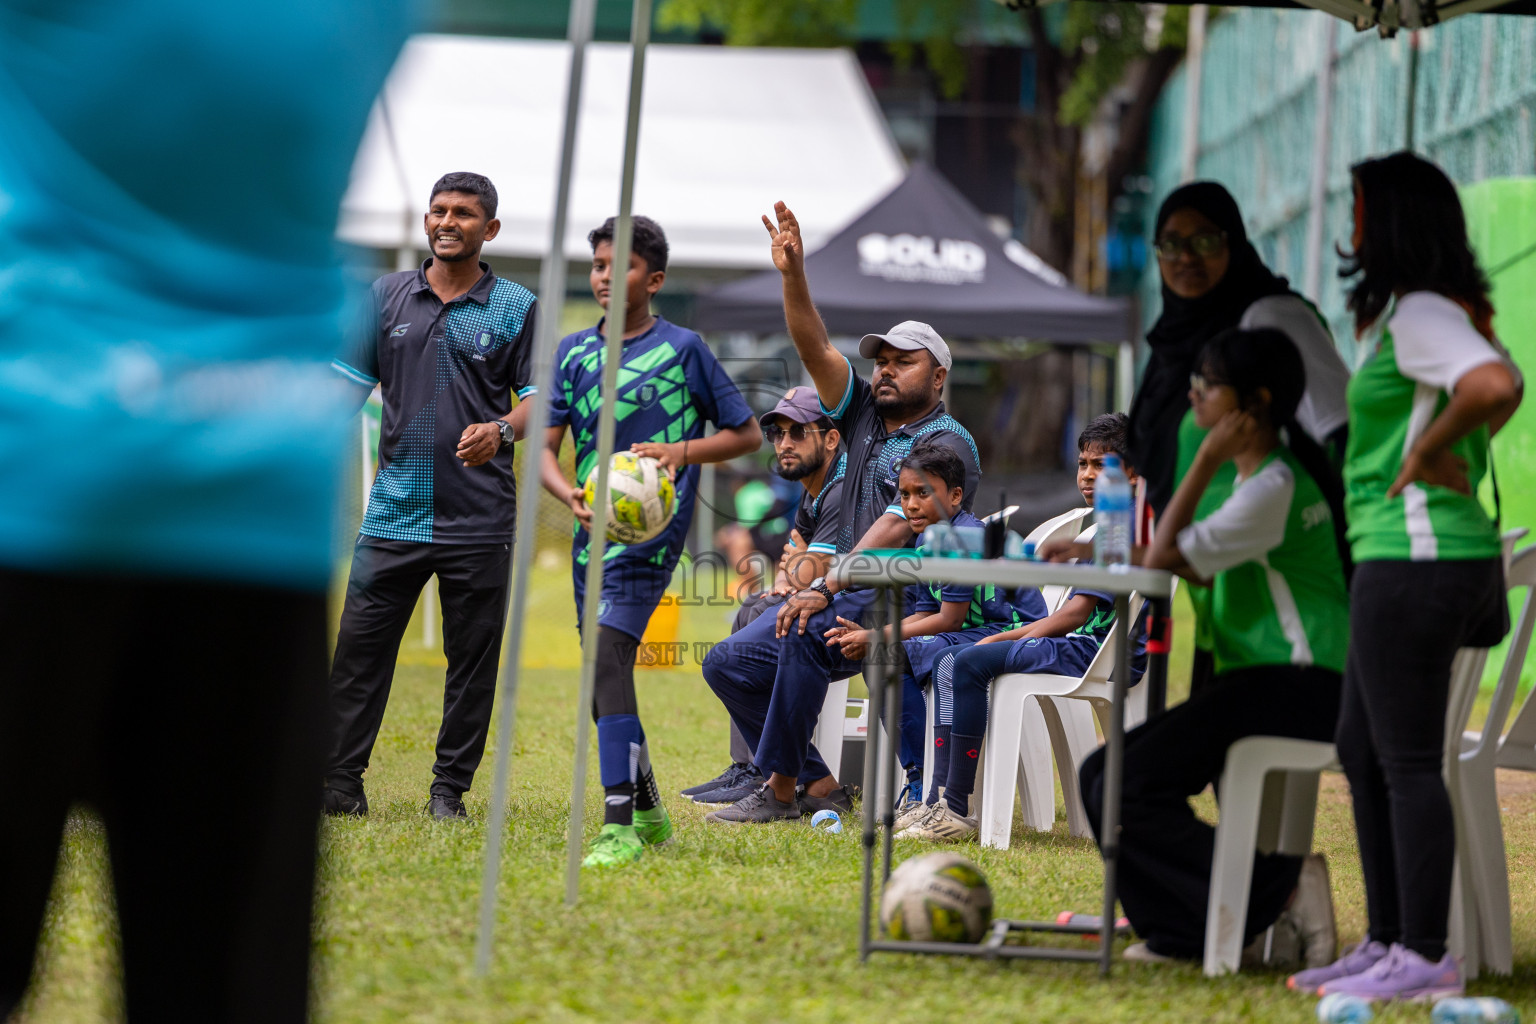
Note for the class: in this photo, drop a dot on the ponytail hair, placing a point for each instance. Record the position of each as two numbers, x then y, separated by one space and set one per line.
1248 360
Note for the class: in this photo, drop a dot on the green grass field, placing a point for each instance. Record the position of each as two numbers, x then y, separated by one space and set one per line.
740 924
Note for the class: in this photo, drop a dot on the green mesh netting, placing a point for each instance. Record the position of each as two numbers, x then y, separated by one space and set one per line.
1474 113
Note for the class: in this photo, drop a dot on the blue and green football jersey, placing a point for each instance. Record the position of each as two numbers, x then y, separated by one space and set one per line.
670 384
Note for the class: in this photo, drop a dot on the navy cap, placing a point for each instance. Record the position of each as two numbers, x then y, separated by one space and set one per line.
799 405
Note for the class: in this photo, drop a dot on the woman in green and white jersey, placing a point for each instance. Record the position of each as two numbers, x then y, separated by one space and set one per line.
1433 388
1271 554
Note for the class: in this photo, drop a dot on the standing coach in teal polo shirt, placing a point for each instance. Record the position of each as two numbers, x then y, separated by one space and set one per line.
448 344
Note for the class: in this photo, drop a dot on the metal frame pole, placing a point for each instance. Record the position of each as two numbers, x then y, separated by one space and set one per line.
639 34
874 674
1114 767
891 679
551 303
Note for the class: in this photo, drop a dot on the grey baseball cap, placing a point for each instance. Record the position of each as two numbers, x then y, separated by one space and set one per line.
910 335
799 405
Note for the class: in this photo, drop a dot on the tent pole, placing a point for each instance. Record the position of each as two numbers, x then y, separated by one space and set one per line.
1322 141
639 35
1195 61
551 301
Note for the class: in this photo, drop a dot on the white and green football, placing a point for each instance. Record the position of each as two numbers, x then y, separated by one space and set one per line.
640 497
936 897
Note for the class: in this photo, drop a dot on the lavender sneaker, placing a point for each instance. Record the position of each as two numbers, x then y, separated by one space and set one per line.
1357 959
1402 974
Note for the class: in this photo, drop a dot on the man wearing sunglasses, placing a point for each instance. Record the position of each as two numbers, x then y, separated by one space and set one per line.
805 449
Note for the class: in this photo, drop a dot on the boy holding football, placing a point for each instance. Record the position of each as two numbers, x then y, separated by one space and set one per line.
669 384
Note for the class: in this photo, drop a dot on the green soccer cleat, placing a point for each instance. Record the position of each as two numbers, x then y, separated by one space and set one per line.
654 827
614 847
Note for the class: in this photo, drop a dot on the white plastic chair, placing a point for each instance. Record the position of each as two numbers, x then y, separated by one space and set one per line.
1480 834
1068 733
1265 811
835 725
1056 528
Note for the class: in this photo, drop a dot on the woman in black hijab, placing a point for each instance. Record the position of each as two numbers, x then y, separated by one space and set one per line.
1213 279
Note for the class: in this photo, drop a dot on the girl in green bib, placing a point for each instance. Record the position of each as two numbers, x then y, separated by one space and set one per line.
1270 552
1432 389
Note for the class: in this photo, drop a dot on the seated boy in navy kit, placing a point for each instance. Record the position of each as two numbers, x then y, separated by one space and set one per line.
1064 643
930 486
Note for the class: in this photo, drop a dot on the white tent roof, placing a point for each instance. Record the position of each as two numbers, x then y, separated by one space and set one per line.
723 133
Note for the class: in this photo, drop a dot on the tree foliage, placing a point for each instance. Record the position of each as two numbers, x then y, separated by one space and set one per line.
1083 51
1100 40
765 22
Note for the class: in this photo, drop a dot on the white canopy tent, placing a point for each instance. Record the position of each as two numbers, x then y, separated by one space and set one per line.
727 132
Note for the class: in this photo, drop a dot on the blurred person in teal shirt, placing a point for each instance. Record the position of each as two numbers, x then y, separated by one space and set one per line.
170 434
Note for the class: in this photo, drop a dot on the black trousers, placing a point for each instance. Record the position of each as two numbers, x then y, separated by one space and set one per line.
1406 622
192 717
1165 851
386 580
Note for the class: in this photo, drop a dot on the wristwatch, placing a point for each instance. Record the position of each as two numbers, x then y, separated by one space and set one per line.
819 584
508 435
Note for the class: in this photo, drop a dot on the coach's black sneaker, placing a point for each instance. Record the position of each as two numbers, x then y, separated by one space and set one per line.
759 808
839 800
342 797
747 783
443 806
730 777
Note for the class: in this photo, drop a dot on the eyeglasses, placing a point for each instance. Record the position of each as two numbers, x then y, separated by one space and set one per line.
773 433
1206 243
1199 384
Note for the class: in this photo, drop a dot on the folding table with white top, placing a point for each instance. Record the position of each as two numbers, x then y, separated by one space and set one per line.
891 572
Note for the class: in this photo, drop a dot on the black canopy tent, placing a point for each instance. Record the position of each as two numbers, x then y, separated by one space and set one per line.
924 253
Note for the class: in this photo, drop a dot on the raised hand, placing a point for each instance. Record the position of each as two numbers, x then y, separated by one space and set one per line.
788 249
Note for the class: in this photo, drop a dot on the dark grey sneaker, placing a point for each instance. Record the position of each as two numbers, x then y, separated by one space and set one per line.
732 776
759 808
443 807
748 781
344 798
839 800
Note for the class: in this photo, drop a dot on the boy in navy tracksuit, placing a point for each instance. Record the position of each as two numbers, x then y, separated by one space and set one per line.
1064 643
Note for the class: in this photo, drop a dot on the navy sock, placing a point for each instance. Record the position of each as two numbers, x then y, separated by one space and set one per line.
619 740
940 762
964 755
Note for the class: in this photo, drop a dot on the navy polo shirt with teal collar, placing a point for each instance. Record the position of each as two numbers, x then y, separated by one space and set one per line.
440 367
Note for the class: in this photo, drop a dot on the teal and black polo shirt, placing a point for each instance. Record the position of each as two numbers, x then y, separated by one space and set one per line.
440 367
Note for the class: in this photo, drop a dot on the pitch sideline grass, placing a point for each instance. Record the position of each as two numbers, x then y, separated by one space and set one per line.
726 924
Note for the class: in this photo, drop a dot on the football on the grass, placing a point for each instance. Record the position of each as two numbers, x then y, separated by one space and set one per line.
937 897
640 497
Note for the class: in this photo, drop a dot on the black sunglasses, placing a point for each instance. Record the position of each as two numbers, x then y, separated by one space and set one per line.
797 431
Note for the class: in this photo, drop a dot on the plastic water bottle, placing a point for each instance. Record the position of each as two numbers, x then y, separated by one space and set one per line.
1113 510
1464 1010
826 822
1341 1008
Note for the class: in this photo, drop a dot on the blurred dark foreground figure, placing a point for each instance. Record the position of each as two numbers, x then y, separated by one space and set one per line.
170 301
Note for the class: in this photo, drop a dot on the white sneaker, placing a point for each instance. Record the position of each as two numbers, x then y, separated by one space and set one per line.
912 812
941 825
1141 953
